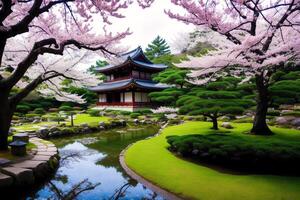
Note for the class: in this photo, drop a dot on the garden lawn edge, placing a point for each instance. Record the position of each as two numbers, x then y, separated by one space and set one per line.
151 160
164 193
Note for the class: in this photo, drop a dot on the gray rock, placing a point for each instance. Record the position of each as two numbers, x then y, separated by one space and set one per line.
55 133
84 125
22 177
53 129
102 124
86 130
136 121
284 120
123 122
226 125
43 131
195 152
223 118
296 122
36 121
11 130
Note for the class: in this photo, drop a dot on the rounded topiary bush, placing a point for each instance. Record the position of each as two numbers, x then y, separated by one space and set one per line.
93 113
23 108
135 115
239 153
39 111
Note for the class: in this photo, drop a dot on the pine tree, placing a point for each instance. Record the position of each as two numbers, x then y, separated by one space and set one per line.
158 47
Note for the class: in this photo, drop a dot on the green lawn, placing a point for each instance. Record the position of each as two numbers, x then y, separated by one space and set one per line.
80 119
152 160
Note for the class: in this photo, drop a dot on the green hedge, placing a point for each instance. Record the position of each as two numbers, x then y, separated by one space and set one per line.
242 153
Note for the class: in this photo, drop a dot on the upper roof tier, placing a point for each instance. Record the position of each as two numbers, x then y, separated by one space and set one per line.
135 58
137 83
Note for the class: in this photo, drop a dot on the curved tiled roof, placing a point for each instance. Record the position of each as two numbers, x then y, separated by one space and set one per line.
146 84
137 58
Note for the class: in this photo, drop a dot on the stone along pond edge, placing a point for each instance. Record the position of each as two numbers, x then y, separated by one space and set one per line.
33 170
155 188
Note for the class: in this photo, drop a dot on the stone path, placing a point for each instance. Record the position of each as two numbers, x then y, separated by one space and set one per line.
25 172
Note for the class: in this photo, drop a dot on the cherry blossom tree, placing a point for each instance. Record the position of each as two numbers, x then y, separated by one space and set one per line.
262 36
52 27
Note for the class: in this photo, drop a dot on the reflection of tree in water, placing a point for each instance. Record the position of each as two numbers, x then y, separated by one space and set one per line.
110 143
113 143
80 187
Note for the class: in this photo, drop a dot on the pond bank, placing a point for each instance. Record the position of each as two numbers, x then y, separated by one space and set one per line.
164 193
97 155
36 168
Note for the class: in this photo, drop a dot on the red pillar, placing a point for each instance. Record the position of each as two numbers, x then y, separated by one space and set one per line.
133 98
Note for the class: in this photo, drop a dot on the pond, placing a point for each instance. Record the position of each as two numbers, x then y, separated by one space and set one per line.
92 162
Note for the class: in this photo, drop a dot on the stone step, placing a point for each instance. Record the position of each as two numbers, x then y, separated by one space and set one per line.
47 153
39 167
52 149
29 164
4 162
41 158
5 180
21 176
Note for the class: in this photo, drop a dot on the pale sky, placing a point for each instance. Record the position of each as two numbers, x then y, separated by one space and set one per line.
147 23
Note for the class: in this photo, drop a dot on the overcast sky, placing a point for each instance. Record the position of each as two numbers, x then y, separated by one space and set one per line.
147 23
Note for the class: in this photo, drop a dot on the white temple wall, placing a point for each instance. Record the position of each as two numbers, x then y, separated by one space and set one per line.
141 97
102 97
128 97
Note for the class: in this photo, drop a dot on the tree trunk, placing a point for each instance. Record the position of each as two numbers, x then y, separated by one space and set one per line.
72 120
215 123
2 46
6 113
260 126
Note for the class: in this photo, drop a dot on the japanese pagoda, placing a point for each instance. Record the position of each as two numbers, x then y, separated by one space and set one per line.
128 82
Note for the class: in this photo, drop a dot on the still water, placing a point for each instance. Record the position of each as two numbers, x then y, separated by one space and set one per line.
92 162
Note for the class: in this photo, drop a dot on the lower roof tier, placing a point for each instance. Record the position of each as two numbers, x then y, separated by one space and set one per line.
123 84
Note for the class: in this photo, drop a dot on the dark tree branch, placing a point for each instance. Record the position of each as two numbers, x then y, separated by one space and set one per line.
34 84
15 99
5 10
288 12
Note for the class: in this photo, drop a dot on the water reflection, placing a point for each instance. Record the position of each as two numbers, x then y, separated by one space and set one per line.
91 163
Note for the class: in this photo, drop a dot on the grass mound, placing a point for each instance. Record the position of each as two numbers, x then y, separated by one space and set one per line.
152 160
240 153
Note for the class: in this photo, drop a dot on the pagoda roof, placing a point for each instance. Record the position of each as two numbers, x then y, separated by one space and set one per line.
116 85
135 57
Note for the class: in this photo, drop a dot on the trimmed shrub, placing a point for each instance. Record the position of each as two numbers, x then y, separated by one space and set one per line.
240 153
135 115
23 108
94 113
39 111
273 112
125 112
292 113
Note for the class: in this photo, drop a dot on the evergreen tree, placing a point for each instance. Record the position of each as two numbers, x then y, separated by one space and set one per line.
158 47
99 63
285 89
223 97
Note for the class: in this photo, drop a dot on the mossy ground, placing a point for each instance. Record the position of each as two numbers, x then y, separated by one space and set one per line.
152 160
80 119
